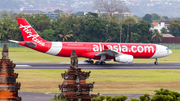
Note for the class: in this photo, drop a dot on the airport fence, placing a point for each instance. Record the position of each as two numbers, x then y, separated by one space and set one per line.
170 46
10 44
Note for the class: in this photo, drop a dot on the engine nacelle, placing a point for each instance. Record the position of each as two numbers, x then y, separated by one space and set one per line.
124 58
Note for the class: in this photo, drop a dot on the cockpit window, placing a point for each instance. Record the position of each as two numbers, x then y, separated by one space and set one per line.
167 49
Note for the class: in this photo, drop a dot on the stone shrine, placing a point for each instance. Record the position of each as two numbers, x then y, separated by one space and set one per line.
74 87
8 86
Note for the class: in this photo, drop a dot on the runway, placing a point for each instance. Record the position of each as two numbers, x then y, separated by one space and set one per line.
93 66
27 96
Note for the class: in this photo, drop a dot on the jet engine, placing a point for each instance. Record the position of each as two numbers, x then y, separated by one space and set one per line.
124 58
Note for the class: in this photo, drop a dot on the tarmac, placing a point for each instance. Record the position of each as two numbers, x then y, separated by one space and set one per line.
27 96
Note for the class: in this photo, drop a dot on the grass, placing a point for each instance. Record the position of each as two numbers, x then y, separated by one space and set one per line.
106 81
26 55
23 54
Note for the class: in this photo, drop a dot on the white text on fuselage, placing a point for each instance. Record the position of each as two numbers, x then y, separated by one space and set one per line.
124 48
34 37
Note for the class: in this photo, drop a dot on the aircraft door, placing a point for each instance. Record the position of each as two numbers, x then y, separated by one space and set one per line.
88 47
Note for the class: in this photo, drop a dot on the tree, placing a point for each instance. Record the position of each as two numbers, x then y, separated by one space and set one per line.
111 6
157 37
42 22
166 95
145 97
66 34
164 30
8 28
134 37
94 30
58 11
147 18
129 23
78 27
174 28
63 27
48 34
92 15
142 28
165 17
155 16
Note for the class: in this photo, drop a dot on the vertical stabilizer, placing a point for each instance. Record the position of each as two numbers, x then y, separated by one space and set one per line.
28 33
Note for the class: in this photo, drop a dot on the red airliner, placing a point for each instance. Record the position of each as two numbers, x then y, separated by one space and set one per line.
120 52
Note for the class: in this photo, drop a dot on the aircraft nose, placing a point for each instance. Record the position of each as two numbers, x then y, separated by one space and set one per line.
170 52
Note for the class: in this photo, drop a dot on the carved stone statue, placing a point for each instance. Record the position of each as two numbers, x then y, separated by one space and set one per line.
74 60
74 87
5 51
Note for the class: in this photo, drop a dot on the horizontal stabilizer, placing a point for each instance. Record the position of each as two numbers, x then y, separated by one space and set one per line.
13 41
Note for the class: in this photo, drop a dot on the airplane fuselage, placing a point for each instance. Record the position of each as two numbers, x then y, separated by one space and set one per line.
90 49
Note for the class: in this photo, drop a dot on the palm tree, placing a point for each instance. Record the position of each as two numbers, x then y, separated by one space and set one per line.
129 21
66 34
108 39
157 37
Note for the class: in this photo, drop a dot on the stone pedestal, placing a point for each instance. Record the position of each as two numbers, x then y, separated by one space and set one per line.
8 86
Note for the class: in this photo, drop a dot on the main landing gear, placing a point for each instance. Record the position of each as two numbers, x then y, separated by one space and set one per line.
156 63
89 61
100 62
97 62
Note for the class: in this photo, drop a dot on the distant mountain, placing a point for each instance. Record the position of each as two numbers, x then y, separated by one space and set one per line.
168 8
10 4
161 7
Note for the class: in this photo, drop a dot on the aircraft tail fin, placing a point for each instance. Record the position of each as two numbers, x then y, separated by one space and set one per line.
28 33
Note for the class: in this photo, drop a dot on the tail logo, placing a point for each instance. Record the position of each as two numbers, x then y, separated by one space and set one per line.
29 33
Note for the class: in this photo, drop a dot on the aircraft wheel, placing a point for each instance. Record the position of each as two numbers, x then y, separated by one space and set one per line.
102 63
97 62
91 62
156 63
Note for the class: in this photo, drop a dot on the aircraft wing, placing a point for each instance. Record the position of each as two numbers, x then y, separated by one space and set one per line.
108 52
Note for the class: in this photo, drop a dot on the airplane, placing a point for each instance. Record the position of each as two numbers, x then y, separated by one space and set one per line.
119 52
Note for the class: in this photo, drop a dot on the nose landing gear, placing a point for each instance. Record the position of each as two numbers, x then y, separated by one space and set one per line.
156 63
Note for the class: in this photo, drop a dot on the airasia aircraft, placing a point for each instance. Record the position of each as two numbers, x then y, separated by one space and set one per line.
120 52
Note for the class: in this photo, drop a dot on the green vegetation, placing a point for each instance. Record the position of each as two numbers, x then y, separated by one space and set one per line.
23 54
160 95
106 81
86 28
58 98
174 28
